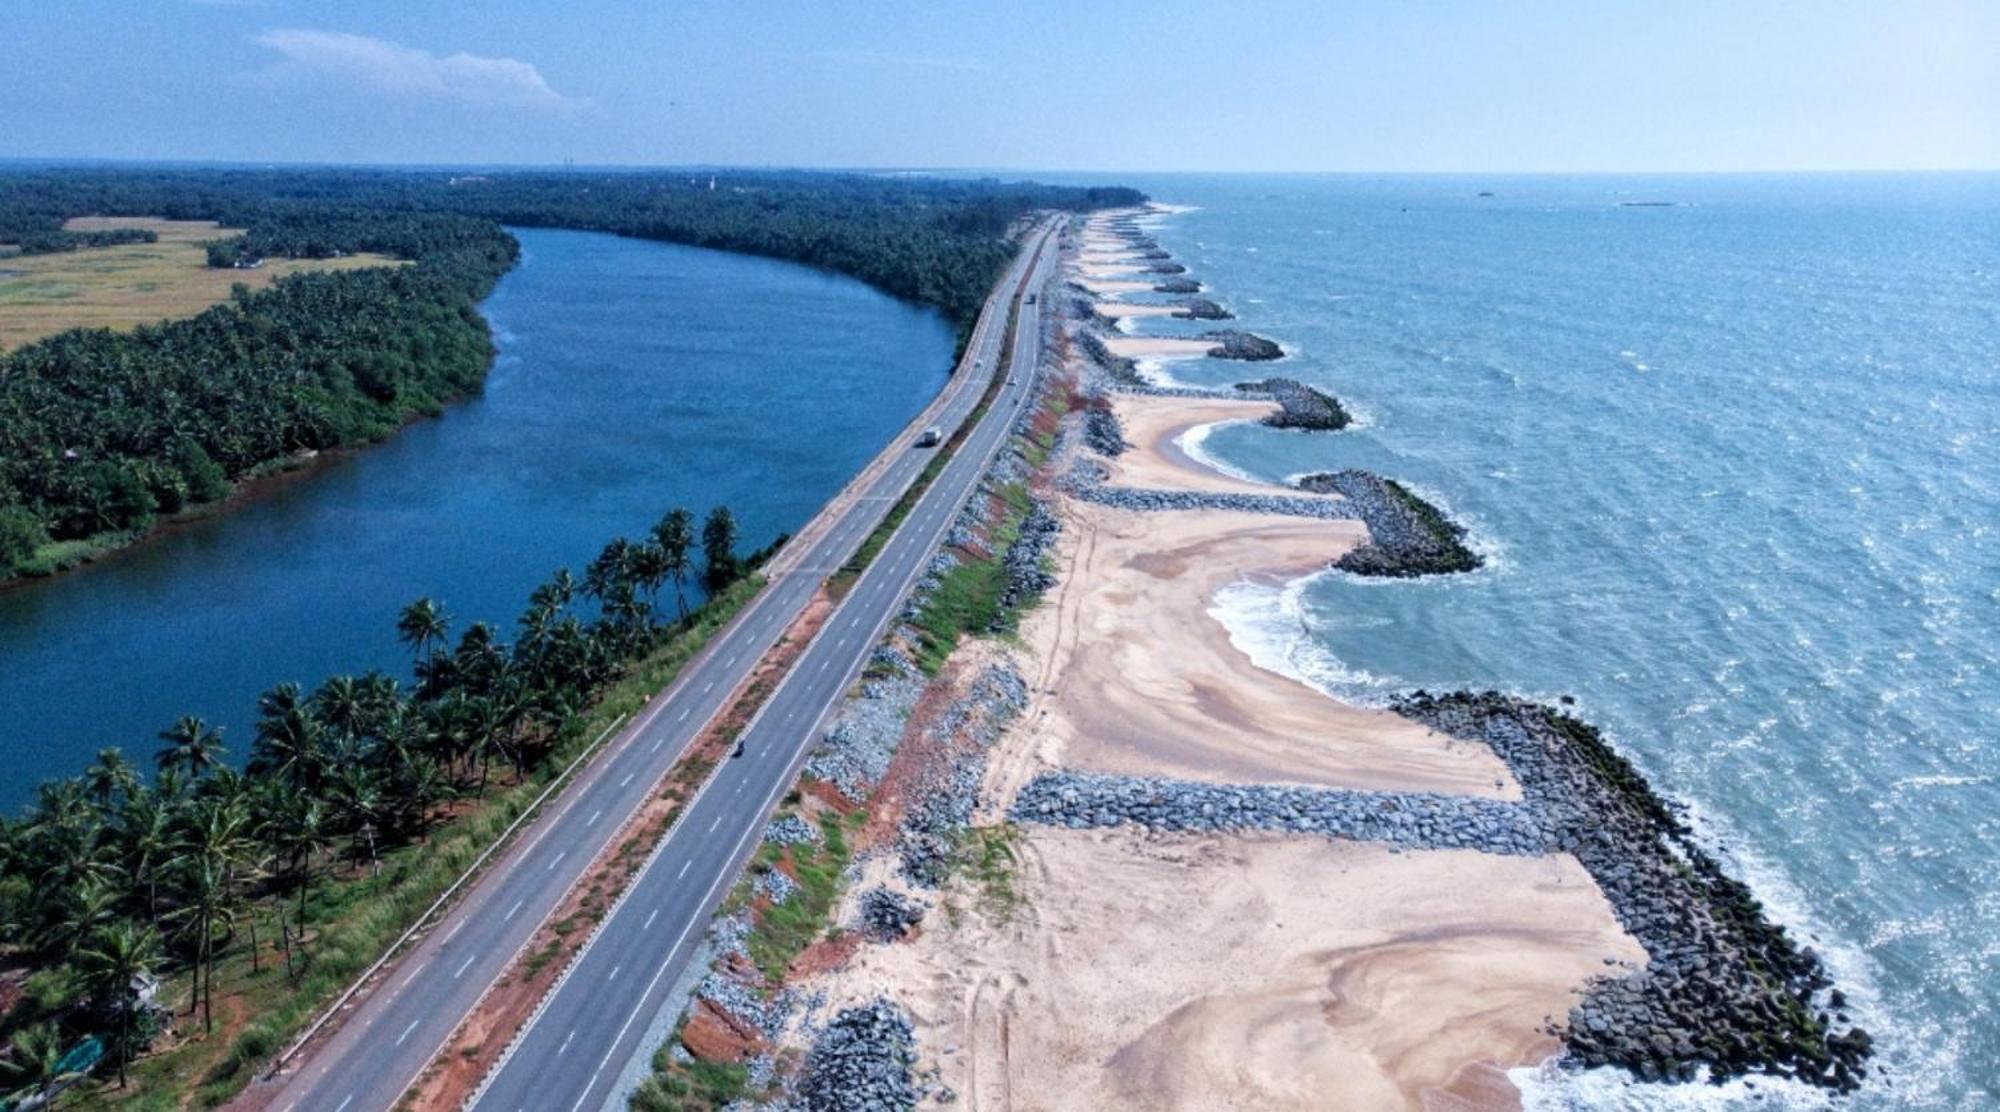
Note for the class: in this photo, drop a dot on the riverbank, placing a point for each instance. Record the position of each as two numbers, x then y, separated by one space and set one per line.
1497 888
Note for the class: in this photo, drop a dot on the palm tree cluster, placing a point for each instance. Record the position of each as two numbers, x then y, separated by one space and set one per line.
109 880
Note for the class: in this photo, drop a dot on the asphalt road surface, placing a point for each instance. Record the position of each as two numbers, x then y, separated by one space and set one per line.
579 1042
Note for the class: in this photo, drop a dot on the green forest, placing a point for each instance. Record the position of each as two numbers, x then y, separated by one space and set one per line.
103 432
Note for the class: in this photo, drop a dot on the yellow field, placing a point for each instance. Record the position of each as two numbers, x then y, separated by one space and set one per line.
132 284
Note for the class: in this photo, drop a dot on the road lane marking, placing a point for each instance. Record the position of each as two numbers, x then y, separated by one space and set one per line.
412 976
650 918
342 1106
597 814
613 975
557 861
684 868
407 1030
456 929
566 1042
684 714
992 335
469 959
512 910
716 823
627 779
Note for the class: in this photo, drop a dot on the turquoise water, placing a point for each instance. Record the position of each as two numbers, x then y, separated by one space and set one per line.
1736 466
633 376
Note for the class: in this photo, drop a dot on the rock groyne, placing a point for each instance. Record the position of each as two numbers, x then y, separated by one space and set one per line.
1407 536
1302 406
1724 989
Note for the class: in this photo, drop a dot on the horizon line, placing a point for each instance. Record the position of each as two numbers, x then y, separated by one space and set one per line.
893 168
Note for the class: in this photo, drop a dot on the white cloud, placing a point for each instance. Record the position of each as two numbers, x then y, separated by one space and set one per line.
406 71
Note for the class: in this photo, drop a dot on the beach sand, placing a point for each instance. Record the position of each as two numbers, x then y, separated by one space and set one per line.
1131 970
1114 286
1132 674
1246 971
1155 461
1157 347
1117 310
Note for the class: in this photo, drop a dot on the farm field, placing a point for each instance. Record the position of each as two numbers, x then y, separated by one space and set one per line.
132 284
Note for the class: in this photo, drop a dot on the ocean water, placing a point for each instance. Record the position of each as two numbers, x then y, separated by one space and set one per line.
1735 466
632 377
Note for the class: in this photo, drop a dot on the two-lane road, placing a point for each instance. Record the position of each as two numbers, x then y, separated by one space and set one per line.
391 1033
576 1048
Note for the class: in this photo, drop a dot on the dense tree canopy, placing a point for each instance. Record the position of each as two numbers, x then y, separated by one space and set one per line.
108 878
101 431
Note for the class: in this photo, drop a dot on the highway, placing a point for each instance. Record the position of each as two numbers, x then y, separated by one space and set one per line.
579 1042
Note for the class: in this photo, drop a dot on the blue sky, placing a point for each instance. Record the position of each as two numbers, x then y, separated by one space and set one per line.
1511 85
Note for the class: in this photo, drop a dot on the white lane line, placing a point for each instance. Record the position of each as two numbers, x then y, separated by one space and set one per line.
469 959
512 910
564 1049
556 861
613 975
454 931
650 918
342 1106
412 976
716 823
684 868
731 663
657 742
683 714
407 1030
709 688
627 779
594 816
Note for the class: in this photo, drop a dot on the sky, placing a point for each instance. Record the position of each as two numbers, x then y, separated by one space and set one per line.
1394 85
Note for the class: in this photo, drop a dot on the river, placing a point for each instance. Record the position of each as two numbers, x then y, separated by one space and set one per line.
632 377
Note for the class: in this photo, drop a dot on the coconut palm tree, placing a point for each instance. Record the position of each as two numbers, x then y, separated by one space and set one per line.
291 741
674 534
113 962
190 747
110 776
30 1069
215 850
718 547
423 626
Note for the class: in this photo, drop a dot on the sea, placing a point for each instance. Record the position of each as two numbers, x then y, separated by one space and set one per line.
1730 446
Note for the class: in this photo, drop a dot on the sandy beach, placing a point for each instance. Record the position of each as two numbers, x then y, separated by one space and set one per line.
1247 971
1118 310
1279 971
1155 428
1157 347
1105 286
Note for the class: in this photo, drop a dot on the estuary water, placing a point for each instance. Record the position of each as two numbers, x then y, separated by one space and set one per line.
1734 461
632 377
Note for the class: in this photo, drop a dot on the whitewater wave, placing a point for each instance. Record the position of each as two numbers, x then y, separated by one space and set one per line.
1268 625
1549 1088
1194 442
1153 370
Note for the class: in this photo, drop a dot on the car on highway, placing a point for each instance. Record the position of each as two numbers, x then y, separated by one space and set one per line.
930 437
